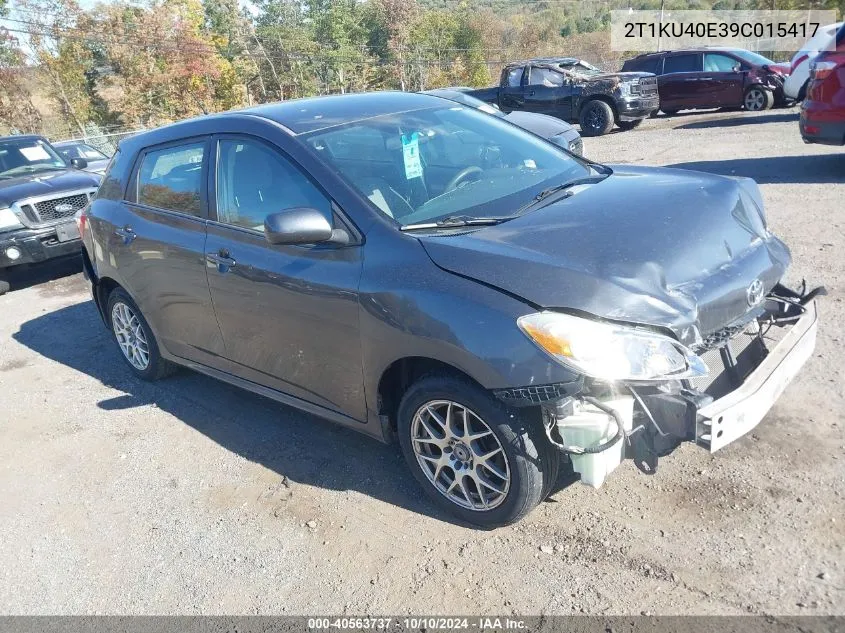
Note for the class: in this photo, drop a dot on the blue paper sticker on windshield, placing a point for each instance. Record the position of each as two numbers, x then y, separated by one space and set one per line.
411 156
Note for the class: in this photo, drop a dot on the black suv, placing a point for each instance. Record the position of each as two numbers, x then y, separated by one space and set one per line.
40 192
419 270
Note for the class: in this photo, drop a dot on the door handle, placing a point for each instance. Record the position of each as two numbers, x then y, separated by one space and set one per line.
221 259
126 234
531 94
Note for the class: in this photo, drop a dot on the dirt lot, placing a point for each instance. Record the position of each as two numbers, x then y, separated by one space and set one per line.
188 496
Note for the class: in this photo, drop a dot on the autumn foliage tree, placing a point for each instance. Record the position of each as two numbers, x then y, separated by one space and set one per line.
140 63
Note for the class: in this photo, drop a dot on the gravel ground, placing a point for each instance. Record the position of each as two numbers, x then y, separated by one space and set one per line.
189 496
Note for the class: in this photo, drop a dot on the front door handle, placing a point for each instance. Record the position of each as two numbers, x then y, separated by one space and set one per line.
221 259
126 234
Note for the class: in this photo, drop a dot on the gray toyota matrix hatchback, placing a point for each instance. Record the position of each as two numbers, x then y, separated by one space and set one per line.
420 271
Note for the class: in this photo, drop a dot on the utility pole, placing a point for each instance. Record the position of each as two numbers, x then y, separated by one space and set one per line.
662 6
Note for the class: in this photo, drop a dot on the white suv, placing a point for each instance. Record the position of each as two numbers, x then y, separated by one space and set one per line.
795 86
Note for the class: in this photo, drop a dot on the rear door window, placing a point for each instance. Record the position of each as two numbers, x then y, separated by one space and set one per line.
171 178
685 63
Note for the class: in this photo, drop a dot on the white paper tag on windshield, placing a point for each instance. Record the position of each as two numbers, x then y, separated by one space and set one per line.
35 152
411 156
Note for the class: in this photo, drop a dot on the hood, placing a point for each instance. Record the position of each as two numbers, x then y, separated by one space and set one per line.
45 184
540 124
97 166
660 247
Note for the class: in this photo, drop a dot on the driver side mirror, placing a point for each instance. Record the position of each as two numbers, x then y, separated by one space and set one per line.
299 225
737 68
78 163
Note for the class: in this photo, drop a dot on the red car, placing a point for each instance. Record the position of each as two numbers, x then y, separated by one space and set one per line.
713 78
823 111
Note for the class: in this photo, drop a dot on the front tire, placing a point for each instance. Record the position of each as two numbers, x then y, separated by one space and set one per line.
135 338
474 457
596 118
757 99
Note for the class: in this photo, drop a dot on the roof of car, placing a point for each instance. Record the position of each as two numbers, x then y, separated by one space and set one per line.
699 49
547 61
299 116
315 113
19 137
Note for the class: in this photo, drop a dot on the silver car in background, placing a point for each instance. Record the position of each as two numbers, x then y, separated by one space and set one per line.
550 128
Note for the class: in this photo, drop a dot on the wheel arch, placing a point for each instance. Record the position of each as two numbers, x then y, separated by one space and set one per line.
101 291
600 97
401 374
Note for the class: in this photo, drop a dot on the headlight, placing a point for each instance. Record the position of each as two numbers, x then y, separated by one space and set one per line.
610 352
8 220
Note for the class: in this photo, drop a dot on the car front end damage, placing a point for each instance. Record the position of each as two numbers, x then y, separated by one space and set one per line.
723 389
635 95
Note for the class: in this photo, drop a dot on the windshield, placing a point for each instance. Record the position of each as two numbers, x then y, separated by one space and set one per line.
26 156
81 150
753 58
431 164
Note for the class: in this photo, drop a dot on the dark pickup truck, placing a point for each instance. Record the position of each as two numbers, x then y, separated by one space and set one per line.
40 192
573 90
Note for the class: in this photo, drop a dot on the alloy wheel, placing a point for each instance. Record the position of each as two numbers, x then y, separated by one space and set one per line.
460 455
130 336
595 119
755 100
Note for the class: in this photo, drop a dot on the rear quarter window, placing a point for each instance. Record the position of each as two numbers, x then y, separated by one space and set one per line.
112 185
649 65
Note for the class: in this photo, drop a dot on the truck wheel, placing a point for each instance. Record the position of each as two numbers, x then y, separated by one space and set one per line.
474 457
135 339
596 118
758 98
4 287
629 125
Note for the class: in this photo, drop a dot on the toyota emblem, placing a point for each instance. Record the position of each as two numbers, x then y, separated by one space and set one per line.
64 207
755 292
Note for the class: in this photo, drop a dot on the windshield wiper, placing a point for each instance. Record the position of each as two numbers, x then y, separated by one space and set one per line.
543 197
455 221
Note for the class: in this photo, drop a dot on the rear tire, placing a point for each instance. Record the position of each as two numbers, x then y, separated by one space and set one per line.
630 125
135 338
757 99
491 471
596 118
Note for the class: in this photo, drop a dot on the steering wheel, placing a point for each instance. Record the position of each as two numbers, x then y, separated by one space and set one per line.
462 175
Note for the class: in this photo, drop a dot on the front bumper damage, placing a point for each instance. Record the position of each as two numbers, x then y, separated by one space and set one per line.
750 368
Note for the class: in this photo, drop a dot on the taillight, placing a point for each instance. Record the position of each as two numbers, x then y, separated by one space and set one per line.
81 221
821 69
